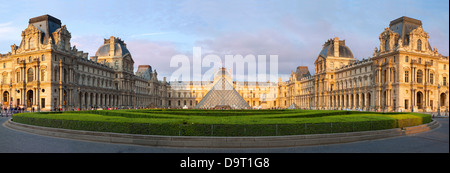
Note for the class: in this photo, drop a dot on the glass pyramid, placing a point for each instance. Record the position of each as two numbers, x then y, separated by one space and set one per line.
222 94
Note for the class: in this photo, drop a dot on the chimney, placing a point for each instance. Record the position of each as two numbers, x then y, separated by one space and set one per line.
111 45
336 46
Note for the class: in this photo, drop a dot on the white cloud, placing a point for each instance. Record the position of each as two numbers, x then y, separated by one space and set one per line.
8 31
154 53
264 42
150 34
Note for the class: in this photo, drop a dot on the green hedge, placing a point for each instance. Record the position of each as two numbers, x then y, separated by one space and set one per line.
190 129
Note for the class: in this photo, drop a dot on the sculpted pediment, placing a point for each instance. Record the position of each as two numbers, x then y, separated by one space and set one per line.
420 32
31 29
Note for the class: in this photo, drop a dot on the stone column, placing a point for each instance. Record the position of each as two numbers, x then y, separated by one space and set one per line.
360 101
388 75
367 101
61 79
34 97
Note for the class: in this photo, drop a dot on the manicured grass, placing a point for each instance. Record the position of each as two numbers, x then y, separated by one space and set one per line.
222 122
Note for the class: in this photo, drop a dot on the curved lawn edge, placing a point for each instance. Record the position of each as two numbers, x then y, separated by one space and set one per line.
222 142
165 127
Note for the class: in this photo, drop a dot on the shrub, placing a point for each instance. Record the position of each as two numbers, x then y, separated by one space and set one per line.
222 123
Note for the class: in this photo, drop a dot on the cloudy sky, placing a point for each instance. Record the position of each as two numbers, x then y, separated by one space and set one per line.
295 30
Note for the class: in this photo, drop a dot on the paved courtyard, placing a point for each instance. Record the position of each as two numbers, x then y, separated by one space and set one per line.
434 141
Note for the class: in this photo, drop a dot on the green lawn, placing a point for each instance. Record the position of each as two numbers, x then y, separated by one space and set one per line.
222 122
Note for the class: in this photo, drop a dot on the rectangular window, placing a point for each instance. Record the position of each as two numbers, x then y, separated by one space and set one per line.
406 76
444 81
42 102
406 59
431 78
406 103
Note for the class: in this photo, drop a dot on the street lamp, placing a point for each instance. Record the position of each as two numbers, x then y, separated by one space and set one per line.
439 107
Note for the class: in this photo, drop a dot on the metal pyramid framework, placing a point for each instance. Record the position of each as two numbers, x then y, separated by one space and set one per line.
222 94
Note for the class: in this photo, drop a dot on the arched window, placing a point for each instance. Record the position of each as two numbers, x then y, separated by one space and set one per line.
30 74
431 78
406 76
56 75
116 64
419 44
419 76
5 78
386 45
31 43
63 44
42 75
17 76
66 76
6 98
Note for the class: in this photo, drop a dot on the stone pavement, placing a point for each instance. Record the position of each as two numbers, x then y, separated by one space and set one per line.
434 141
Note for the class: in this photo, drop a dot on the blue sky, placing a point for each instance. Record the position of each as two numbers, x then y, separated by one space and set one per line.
294 30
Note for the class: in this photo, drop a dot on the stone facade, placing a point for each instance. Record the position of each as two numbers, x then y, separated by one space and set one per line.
45 73
257 94
404 74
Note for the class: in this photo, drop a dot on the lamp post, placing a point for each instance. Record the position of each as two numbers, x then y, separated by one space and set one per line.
439 100
10 97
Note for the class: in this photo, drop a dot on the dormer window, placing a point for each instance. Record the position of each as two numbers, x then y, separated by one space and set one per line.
30 43
419 45
386 45
63 44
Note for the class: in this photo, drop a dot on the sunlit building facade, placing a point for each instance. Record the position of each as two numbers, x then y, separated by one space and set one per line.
404 74
44 72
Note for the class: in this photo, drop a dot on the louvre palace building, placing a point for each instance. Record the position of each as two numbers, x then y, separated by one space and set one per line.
44 72
404 74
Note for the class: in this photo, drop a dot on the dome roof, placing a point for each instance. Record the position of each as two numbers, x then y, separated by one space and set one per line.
120 48
328 49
